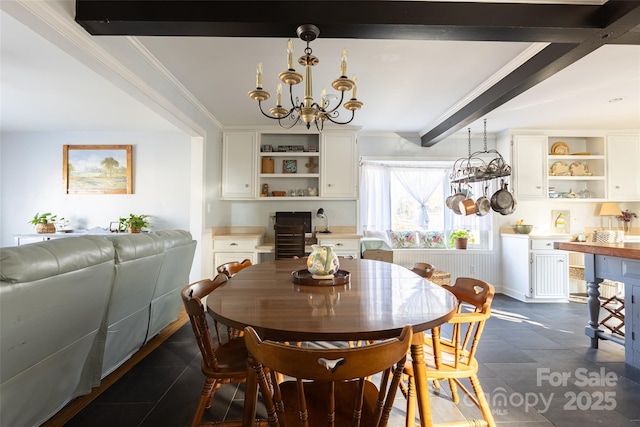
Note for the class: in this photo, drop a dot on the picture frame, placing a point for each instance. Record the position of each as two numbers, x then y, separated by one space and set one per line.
561 221
97 169
289 166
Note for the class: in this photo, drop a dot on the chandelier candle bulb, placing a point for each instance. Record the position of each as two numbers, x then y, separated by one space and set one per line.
279 96
259 76
355 86
323 98
343 64
290 55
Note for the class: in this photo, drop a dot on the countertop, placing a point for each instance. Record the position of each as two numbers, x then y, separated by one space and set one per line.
629 250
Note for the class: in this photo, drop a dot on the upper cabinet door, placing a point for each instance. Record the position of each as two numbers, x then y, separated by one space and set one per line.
623 156
239 153
530 166
338 162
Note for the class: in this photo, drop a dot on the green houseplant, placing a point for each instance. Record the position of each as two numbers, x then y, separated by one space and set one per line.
134 223
460 238
45 223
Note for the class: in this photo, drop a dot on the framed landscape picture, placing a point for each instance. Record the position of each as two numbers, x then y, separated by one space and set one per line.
97 169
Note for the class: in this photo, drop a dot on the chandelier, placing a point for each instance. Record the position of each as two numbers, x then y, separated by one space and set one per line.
307 110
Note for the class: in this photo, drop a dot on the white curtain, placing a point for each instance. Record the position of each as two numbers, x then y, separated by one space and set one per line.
375 200
420 183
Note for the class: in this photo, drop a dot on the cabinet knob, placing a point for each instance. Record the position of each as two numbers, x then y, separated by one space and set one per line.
246 185
617 187
538 186
339 244
233 244
329 185
560 260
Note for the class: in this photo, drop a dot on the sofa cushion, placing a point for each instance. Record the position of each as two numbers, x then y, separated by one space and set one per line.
433 239
404 239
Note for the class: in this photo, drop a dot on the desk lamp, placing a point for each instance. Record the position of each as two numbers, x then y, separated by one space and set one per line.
610 209
322 214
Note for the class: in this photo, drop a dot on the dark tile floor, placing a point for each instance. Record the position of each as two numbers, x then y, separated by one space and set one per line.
536 369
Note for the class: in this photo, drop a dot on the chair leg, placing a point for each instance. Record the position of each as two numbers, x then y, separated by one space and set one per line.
482 400
206 397
411 401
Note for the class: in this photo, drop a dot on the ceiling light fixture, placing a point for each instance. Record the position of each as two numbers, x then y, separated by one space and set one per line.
308 111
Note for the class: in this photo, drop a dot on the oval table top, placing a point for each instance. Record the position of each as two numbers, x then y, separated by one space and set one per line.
378 301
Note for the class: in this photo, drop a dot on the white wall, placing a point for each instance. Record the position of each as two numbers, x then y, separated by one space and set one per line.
31 181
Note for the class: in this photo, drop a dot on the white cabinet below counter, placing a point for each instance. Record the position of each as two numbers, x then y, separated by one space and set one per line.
532 271
227 248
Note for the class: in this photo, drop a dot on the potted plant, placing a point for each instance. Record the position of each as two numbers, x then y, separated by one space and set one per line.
44 222
459 238
626 216
134 223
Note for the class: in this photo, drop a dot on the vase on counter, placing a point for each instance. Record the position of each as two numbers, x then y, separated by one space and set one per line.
323 262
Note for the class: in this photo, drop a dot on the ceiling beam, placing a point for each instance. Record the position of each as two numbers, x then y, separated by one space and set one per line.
541 66
572 30
420 20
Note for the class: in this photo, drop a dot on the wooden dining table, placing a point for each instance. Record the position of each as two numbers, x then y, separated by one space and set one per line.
374 304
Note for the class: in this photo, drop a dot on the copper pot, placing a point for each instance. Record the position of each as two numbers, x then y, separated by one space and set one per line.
467 207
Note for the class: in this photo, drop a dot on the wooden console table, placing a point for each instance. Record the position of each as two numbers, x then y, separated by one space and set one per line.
613 261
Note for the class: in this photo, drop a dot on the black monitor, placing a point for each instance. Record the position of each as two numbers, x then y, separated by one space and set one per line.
294 218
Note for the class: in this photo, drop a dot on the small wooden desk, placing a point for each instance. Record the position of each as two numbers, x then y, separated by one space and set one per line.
379 300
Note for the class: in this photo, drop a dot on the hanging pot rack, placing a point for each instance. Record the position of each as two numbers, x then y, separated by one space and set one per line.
479 166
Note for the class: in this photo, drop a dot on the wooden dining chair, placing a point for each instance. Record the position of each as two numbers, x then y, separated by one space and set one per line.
453 357
229 269
226 363
423 269
289 241
329 387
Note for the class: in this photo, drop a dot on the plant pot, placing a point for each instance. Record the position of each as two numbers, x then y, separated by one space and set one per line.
45 228
461 243
134 230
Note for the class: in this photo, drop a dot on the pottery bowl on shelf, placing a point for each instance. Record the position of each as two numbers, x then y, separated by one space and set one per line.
524 229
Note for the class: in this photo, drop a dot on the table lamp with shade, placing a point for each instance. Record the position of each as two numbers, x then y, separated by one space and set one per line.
610 209
322 214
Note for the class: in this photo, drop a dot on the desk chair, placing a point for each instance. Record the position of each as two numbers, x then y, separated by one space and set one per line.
329 386
453 358
289 241
226 363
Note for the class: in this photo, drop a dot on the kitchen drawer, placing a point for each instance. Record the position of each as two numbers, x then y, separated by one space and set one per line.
342 245
542 244
236 244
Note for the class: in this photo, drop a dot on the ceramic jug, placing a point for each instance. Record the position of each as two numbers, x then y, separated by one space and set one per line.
323 262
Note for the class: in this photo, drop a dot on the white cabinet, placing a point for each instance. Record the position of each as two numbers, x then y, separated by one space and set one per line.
342 246
550 166
339 172
623 157
235 248
549 271
532 271
529 166
239 165
300 166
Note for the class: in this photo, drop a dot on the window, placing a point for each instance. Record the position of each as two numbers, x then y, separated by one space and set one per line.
406 196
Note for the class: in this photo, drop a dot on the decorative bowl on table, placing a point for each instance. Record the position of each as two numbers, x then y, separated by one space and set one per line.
524 228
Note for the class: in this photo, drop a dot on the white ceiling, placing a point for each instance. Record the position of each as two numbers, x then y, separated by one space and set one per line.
406 85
